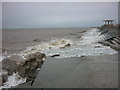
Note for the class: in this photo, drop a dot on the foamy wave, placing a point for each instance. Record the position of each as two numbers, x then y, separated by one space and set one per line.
90 37
47 46
87 45
13 80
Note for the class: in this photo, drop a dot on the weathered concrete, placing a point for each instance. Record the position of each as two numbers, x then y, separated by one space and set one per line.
111 37
85 72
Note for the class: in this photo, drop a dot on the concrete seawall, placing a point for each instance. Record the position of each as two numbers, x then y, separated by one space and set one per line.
85 72
111 36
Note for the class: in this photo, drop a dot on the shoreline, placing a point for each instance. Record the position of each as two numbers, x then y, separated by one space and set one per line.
76 34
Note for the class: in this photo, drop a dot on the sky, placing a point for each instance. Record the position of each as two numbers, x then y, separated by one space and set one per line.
57 14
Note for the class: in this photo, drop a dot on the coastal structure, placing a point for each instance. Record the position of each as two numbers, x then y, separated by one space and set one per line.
108 22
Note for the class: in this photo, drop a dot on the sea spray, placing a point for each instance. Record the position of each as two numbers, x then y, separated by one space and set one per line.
54 44
13 80
63 48
91 36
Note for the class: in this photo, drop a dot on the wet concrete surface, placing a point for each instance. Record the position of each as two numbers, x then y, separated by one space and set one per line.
85 72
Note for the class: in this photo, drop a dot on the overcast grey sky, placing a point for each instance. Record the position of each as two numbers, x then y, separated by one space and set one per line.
57 15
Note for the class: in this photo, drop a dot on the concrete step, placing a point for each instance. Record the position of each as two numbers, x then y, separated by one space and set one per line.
116 40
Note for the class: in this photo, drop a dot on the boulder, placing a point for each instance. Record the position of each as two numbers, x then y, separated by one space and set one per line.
55 55
3 77
97 46
11 63
23 65
33 61
36 40
66 45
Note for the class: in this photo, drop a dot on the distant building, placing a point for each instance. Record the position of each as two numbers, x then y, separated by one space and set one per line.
108 22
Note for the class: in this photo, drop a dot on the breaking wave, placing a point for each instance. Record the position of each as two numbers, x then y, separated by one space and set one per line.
13 80
87 45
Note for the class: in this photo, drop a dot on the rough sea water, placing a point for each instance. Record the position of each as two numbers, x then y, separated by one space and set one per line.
87 45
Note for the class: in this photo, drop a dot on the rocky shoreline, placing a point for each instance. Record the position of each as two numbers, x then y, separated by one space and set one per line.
26 66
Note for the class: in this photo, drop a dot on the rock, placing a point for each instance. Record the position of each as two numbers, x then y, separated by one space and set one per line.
97 46
36 40
23 66
9 65
3 50
55 55
66 45
33 61
82 56
3 77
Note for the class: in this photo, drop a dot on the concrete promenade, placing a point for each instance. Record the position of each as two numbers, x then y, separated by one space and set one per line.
85 72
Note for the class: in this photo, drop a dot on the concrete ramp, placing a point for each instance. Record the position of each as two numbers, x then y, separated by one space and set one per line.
85 72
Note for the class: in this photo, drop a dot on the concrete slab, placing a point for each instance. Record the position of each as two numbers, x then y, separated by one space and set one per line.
85 72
